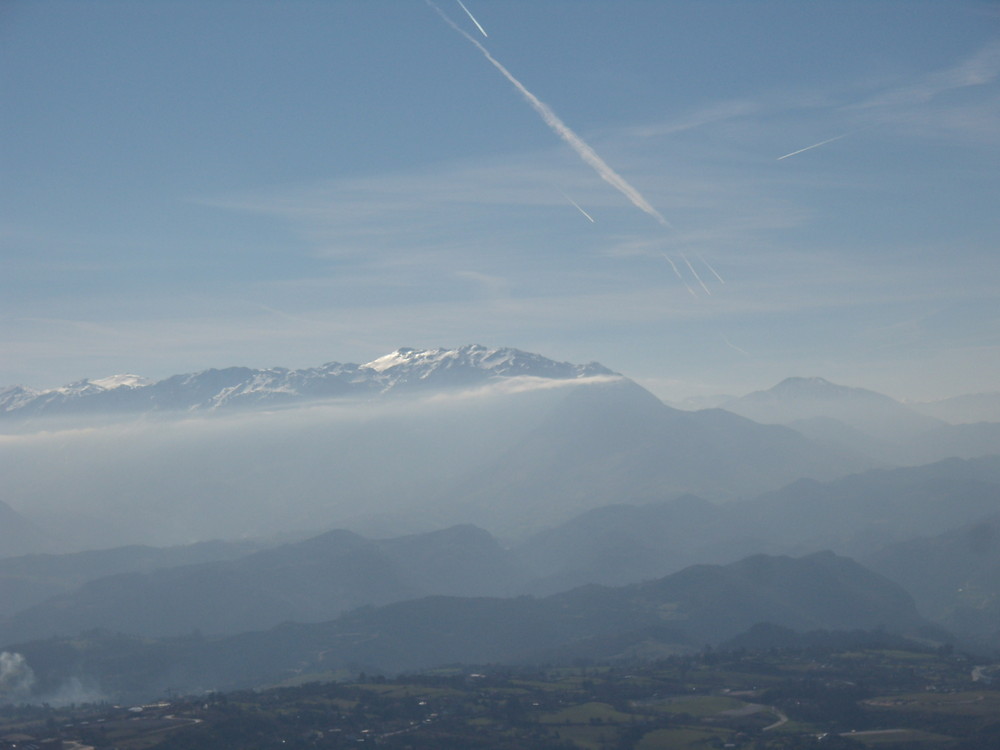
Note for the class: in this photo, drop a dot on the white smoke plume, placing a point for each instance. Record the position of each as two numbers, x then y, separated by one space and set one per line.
16 677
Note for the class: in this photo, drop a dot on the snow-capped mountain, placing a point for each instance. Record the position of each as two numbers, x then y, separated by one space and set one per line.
402 370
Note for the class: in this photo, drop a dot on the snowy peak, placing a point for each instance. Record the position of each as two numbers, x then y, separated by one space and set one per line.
397 358
15 397
126 380
402 370
409 365
110 383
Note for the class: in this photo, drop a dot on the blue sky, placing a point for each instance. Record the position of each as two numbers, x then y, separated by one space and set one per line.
205 184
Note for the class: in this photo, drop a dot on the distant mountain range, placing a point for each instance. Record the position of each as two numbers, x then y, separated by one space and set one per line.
698 606
472 481
887 518
795 399
875 424
807 397
516 442
402 370
413 441
969 408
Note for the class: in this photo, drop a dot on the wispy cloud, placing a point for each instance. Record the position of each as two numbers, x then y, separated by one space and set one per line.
979 69
713 113
492 286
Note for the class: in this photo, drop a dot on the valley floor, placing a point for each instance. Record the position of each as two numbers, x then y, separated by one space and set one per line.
863 697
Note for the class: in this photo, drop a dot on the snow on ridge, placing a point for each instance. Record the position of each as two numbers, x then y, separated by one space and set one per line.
77 388
109 383
125 380
383 363
16 396
427 357
498 360
403 370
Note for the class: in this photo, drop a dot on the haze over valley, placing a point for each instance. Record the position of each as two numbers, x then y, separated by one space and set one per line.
233 501
499 374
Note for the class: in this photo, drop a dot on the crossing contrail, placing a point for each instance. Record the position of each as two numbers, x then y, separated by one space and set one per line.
679 274
817 145
577 205
695 274
710 268
561 129
469 14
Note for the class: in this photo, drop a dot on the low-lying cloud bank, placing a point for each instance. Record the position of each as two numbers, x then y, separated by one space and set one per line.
169 479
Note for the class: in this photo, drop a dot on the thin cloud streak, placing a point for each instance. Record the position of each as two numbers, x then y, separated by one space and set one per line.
695 274
731 345
583 150
981 68
469 14
711 268
679 275
816 145
577 206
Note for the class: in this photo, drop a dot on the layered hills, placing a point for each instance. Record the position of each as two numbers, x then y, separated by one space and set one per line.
229 588
471 504
954 575
311 580
684 612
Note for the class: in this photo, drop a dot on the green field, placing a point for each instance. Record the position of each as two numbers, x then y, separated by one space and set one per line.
698 705
902 737
682 738
979 703
587 713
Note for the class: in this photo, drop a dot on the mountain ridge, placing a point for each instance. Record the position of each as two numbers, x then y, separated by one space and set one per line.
404 369
803 398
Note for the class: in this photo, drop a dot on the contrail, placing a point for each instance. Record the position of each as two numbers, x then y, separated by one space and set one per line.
469 14
709 267
679 274
731 345
695 274
575 142
816 145
578 208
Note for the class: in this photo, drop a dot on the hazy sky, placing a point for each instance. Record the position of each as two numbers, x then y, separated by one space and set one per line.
202 184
